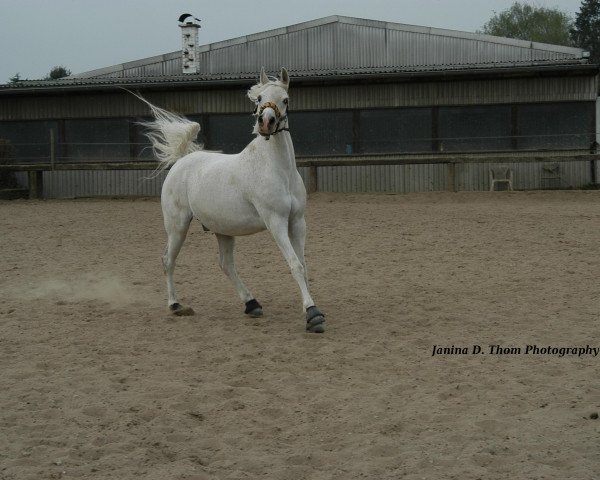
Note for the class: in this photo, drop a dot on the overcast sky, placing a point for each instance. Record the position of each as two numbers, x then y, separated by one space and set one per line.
82 35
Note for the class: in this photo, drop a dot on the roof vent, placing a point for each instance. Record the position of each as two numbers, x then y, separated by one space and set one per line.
189 37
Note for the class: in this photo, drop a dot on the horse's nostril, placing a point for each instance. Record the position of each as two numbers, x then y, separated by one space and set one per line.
260 120
271 121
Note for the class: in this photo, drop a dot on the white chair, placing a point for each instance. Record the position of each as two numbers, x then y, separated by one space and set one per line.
501 174
551 178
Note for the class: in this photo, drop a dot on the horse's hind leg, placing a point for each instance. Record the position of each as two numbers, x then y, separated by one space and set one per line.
226 244
177 226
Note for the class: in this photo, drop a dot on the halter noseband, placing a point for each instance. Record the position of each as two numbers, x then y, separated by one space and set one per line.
280 118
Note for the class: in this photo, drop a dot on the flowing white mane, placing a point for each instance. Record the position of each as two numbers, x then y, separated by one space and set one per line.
259 88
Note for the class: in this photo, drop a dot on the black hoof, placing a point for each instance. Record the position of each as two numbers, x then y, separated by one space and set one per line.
180 310
253 308
315 320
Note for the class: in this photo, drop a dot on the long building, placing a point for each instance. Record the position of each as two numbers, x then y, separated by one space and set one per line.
362 90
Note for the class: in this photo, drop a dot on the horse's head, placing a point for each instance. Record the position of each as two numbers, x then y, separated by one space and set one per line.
271 99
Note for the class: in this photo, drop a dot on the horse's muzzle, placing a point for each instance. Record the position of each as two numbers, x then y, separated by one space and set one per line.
267 121
270 119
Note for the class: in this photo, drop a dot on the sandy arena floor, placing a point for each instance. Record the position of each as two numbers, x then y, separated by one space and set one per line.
100 382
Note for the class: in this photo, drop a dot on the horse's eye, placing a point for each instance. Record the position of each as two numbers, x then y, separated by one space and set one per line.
285 101
259 98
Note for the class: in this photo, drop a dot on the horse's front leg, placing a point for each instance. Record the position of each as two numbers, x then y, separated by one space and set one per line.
280 229
297 235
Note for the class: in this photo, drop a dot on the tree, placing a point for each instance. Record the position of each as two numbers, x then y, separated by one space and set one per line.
58 72
528 22
586 30
15 78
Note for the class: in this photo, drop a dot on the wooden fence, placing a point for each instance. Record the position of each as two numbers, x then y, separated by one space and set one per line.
36 188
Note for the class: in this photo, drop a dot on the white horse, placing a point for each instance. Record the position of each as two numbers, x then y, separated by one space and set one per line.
231 195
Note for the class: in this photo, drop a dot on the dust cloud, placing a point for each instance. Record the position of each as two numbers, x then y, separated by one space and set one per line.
102 286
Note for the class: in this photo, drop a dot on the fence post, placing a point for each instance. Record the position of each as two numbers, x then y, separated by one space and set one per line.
36 183
451 176
52 152
312 179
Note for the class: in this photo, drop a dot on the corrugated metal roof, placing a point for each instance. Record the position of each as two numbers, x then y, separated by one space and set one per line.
338 42
331 47
315 75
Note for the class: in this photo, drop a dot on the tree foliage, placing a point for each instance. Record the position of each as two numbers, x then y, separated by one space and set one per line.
586 29
54 74
529 22
58 72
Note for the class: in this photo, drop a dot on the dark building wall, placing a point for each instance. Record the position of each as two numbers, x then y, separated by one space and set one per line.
493 113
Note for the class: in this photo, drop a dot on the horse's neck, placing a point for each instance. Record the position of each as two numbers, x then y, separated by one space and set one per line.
281 150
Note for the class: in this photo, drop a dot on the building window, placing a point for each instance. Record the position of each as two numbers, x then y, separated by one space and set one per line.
555 126
141 147
96 140
469 129
322 133
396 130
28 142
229 133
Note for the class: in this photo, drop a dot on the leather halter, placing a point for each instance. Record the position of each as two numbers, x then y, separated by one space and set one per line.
280 118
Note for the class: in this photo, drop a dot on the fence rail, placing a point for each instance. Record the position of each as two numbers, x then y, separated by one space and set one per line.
35 170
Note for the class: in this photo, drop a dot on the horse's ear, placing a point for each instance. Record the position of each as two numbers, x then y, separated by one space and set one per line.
285 78
263 76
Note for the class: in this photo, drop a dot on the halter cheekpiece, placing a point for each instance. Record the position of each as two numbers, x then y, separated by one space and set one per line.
258 111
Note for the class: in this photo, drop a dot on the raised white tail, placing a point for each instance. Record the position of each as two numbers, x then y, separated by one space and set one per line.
172 136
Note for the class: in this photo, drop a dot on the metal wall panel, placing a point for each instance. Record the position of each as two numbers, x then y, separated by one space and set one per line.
466 92
383 178
374 178
320 48
219 61
122 104
172 66
304 172
292 51
360 46
413 94
428 178
111 183
526 176
71 184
